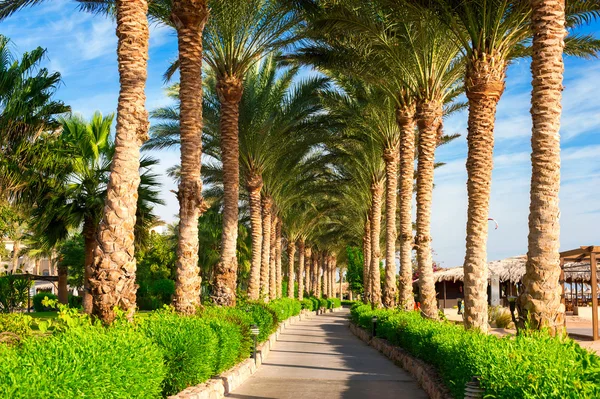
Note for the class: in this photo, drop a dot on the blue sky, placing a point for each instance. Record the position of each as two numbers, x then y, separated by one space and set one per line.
83 48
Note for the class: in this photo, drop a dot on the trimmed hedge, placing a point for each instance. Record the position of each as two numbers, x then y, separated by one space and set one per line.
262 316
159 355
93 362
189 346
526 366
285 308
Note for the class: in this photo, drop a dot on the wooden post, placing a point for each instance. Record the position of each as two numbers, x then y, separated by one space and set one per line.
594 284
444 294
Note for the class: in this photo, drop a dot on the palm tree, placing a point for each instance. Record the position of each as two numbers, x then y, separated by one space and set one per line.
26 104
541 300
189 18
113 282
74 197
239 33
491 33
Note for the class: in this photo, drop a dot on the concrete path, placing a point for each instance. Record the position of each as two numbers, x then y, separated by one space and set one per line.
321 359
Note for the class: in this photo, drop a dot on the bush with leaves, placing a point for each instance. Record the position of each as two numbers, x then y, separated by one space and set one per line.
285 308
533 365
90 361
15 323
262 316
189 346
232 326
38 298
307 304
13 292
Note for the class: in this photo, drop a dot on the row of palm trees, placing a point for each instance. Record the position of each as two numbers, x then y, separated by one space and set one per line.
396 67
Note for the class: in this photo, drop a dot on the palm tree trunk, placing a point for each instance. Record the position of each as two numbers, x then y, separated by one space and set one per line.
320 262
331 277
15 255
307 270
301 269
484 85
325 267
189 18
89 236
314 283
375 278
272 258
291 250
391 156
367 261
229 89
267 204
406 122
541 300
255 184
113 273
341 282
429 120
278 252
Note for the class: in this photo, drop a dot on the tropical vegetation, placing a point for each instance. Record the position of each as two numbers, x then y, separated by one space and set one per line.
306 129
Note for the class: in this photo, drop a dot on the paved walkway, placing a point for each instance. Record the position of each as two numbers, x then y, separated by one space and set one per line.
321 359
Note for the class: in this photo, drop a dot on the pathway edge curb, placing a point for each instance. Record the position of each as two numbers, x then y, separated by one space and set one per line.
219 386
425 374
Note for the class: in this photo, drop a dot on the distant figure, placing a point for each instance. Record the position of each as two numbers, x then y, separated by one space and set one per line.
460 302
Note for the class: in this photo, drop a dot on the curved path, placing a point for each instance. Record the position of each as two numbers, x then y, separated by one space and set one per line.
320 358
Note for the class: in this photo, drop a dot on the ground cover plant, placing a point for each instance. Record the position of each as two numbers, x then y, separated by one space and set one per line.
528 366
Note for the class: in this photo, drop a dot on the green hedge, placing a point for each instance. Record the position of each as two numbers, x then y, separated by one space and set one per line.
333 303
285 308
94 362
262 316
189 347
159 355
527 366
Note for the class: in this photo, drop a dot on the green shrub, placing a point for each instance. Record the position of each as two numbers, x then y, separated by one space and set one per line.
347 303
16 323
262 316
316 303
189 347
91 362
285 308
528 366
38 306
232 326
307 304
322 303
75 301
13 292
334 303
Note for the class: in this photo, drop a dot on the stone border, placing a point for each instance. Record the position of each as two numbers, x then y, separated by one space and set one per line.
425 374
224 383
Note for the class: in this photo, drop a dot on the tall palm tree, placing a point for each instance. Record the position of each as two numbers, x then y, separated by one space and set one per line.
239 33
74 197
189 18
491 33
113 282
541 300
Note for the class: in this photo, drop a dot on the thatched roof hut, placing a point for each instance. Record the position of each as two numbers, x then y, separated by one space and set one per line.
513 269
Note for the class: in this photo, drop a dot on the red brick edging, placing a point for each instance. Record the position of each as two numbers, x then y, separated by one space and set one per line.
224 383
425 374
